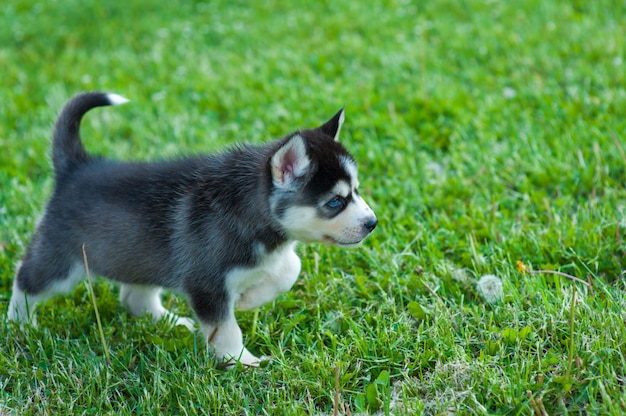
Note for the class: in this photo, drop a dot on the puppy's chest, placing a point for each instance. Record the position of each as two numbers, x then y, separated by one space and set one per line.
280 264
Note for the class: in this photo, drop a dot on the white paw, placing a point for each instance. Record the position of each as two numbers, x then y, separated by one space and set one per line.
175 320
18 309
245 358
186 322
246 302
23 323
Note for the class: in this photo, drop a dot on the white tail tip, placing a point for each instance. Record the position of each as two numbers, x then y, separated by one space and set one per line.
116 99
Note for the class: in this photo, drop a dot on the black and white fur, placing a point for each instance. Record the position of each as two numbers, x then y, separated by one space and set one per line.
219 228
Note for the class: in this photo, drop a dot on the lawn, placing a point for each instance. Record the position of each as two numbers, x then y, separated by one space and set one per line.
490 139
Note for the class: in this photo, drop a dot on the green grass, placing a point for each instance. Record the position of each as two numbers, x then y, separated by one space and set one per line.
487 132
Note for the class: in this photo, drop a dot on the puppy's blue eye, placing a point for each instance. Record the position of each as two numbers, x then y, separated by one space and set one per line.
336 202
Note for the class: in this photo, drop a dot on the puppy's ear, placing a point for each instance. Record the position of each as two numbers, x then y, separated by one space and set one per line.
290 162
333 126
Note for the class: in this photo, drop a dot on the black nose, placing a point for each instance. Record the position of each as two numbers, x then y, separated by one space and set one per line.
371 224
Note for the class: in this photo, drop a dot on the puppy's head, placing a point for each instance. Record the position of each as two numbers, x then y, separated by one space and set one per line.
315 188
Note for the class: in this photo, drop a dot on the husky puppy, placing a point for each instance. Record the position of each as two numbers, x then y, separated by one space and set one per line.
219 228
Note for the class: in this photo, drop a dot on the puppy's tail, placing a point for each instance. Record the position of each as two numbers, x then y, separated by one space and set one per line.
67 148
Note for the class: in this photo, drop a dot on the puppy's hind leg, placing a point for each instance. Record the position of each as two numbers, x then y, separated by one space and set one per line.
22 306
35 282
138 299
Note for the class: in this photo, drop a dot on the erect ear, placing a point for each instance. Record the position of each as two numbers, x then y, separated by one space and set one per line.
333 126
290 162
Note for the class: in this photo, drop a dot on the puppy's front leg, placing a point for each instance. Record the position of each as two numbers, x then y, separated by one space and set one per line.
215 310
227 341
275 283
